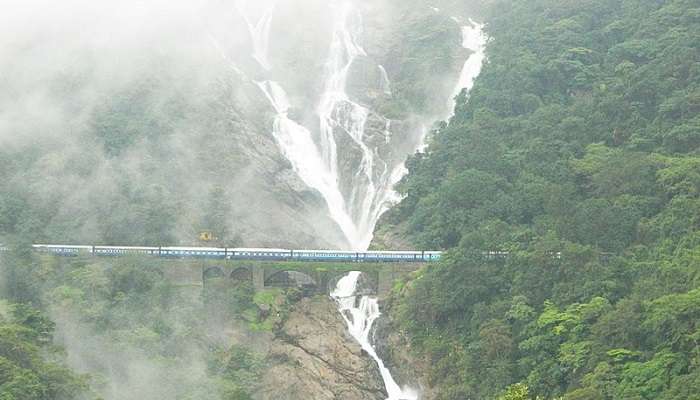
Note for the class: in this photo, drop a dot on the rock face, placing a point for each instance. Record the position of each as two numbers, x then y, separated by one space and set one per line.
394 349
313 357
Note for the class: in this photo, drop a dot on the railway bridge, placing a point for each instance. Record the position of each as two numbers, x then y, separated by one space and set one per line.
312 271
311 278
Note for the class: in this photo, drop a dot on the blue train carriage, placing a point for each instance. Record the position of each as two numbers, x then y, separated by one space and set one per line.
431 255
402 256
259 254
325 255
190 252
393 256
117 251
62 250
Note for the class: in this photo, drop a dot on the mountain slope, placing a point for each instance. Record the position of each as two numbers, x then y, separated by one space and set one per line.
576 153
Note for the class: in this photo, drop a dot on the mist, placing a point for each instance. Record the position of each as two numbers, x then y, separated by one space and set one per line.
140 122
143 123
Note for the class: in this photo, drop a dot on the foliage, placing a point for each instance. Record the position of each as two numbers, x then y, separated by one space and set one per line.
577 153
26 372
127 309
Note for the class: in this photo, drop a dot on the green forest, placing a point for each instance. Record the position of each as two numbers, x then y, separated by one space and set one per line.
127 320
566 188
565 191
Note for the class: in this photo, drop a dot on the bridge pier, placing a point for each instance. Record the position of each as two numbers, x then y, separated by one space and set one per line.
258 278
390 274
379 277
185 275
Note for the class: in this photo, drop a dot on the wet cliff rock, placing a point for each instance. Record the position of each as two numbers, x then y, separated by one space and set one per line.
313 357
393 348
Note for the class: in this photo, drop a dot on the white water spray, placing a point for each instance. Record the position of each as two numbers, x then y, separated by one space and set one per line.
384 83
359 313
474 39
335 108
294 140
259 33
356 197
371 185
298 147
340 118
371 182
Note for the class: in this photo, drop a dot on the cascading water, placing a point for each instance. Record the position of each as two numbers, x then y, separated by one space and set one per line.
335 107
298 147
372 179
259 33
356 196
339 115
359 313
294 140
474 39
384 84
316 162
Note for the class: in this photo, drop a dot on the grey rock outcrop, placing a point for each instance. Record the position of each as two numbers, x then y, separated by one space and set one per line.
314 357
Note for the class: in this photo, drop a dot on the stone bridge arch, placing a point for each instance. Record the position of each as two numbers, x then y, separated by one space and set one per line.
290 279
241 275
213 273
376 279
367 284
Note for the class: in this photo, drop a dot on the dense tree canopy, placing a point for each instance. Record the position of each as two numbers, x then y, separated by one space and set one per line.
578 153
26 372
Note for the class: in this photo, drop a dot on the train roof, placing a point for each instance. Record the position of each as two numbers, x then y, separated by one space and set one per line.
179 248
126 248
260 249
237 249
400 252
61 246
325 251
369 251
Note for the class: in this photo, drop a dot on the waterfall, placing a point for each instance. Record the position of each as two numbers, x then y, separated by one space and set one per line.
373 180
335 108
316 162
474 39
358 194
297 145
384 83
259 33
339 115
314 154
359 313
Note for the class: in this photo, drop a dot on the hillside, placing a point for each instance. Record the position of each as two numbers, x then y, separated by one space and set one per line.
563 188
149 130
577 154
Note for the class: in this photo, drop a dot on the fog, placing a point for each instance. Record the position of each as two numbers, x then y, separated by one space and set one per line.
81 49
142 123
118 115
130 363
97 95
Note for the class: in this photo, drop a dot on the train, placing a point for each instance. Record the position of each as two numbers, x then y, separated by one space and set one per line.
225 253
